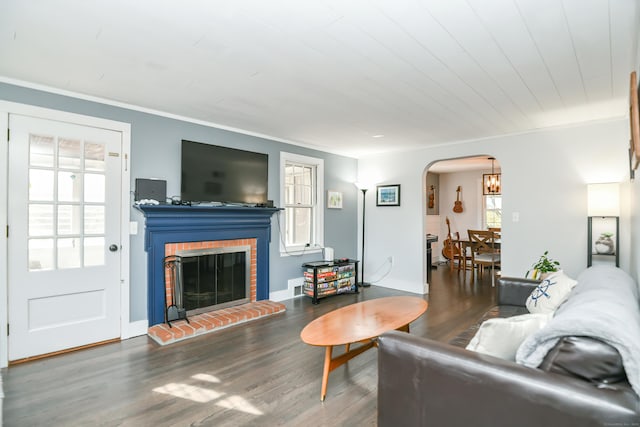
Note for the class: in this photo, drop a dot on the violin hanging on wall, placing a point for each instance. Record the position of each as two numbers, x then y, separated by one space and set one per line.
432 198
457 206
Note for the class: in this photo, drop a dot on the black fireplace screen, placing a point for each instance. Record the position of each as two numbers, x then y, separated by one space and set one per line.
214 279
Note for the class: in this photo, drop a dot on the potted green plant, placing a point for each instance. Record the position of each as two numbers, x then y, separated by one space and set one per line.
543 267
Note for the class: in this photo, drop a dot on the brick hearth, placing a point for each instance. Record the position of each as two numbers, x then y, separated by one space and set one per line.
204 323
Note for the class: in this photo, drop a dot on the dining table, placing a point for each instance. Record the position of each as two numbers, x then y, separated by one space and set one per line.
466 243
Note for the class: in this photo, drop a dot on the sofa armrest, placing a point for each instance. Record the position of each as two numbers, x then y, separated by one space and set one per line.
425 382
515 290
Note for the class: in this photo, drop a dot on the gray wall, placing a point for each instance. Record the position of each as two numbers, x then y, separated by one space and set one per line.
155 153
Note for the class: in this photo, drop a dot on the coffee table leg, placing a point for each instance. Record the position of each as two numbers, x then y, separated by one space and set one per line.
331 364
325 374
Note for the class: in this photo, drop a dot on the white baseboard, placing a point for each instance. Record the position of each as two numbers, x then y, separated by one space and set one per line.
402 285
135 329
290 292
278 296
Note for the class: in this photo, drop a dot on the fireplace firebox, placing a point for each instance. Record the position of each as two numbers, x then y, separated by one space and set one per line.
215 278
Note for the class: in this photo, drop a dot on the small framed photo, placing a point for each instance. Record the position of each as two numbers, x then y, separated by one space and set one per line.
334 199
388 195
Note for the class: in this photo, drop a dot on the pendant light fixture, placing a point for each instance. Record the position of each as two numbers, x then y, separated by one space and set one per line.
491 183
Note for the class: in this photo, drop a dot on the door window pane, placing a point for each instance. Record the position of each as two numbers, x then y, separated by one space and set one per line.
69 219
40 220
94 250
40 185
67 197
69 253
69 154
94 188
69 186
94 156
41 150
40 254
94 219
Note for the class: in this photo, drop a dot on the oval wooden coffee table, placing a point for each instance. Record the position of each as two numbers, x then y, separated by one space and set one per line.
361 323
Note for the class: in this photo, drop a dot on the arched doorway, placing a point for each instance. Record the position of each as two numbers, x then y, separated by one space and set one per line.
457 190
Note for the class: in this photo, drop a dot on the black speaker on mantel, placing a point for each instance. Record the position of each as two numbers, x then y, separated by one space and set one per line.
269 204
151 189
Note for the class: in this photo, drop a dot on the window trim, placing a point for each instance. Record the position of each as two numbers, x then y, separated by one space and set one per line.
318 211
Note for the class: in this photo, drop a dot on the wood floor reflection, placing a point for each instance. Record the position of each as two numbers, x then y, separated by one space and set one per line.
255 374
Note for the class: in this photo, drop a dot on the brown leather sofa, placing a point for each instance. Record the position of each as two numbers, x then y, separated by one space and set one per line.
422 382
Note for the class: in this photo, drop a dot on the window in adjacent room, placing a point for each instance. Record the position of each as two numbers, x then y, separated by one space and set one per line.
493 211
301 196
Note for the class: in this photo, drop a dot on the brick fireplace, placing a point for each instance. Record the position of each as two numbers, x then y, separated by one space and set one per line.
181 248
171 227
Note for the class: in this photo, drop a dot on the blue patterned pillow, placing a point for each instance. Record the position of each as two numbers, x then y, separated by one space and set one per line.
550 293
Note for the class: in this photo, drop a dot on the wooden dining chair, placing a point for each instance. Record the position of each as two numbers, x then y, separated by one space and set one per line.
496 230
484 250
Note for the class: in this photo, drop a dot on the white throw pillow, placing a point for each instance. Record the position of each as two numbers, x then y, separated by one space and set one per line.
502 337
550 293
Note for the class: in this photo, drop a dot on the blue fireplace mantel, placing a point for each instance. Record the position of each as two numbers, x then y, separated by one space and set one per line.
176 224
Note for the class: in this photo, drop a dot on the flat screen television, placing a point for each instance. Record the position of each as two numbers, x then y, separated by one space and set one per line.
211 173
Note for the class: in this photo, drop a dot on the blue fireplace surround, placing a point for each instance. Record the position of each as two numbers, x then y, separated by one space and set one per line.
177 224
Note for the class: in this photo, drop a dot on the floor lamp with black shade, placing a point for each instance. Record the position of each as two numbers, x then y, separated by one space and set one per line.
364 189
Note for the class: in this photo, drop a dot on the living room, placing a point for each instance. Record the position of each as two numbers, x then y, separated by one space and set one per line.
546 165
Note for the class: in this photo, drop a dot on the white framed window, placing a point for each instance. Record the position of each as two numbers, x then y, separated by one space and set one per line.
301 196
493 211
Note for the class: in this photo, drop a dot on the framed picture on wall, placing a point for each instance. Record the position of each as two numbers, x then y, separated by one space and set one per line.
388 195
334 199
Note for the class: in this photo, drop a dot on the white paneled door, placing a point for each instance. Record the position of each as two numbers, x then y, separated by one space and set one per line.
64 235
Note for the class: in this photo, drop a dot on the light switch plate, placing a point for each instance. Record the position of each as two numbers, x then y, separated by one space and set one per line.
133 227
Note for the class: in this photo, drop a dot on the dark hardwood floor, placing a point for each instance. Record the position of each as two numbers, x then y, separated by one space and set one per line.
254 374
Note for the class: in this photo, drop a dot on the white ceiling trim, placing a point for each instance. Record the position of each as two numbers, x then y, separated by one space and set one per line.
106 101
504 135
138 108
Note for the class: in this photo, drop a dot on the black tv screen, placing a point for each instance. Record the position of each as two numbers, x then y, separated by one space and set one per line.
211 173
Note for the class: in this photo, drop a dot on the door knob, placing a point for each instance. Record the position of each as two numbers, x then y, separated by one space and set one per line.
113 248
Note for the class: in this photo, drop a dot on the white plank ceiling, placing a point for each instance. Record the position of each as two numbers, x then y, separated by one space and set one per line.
336 74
